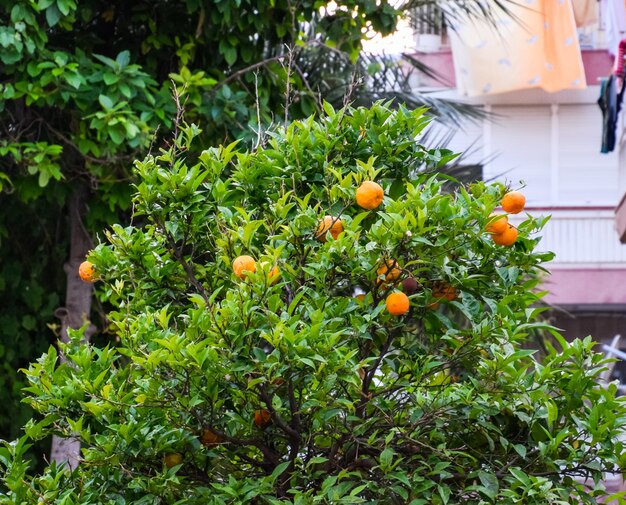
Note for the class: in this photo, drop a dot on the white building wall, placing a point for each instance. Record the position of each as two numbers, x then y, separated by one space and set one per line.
548 145
586 176
520 145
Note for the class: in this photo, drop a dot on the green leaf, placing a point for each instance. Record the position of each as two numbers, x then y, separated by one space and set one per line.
52 15
74 80
279 470
106 102
44 177
490 485
230 55
444 492
109 79
520 449
123 58
386 457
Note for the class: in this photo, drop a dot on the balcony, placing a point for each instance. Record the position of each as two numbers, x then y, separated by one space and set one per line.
597 62
581 237
433 49
590 264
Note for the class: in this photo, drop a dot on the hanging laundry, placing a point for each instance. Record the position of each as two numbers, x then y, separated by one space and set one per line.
610 100
614 21
534 47
585 12
610 103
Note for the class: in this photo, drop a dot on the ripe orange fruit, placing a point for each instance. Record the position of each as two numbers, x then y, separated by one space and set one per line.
513 202
172 459
443 290
497 223
507 238
329 223
369 195
87 271
273 275
242 265
390 269
209 438
262 418
397 304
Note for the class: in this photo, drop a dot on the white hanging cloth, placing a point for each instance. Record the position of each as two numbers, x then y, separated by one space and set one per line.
614 20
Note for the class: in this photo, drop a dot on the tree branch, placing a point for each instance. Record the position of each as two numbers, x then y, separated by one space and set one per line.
247 69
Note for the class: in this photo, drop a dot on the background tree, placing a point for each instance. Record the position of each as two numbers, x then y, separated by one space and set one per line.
274 383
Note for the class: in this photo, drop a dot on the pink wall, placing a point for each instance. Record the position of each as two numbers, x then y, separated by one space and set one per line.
620 219
598 64
442 64
586 286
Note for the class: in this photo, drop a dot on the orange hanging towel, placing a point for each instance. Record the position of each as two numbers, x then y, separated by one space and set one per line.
535 46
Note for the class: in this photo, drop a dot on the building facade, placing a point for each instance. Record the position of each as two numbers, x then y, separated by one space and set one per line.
549 144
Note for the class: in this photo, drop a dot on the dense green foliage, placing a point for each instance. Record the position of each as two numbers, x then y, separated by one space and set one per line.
26 305
83 87
441 405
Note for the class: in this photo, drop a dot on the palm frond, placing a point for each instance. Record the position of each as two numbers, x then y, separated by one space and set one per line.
430 12
333 76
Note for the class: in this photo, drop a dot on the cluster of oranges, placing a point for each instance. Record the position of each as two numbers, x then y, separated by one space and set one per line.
369 196
502 232
397 303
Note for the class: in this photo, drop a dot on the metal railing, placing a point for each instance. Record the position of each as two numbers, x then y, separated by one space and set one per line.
428 20
581 237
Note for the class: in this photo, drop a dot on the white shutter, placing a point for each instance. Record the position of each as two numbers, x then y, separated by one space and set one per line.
521 146
586 176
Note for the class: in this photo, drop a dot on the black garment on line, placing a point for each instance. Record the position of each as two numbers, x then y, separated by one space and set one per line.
610 103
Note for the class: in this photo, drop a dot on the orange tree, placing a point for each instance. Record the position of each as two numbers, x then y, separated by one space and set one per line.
276 383
84 84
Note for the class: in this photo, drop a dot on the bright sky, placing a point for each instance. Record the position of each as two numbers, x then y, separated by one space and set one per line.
396 43
399 42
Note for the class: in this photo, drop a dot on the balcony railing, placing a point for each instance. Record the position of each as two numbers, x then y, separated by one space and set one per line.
428 20
580 237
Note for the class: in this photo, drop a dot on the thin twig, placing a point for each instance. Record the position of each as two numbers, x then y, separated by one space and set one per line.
258 110
247 69
288 83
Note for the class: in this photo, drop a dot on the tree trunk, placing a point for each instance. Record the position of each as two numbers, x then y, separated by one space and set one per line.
77 303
